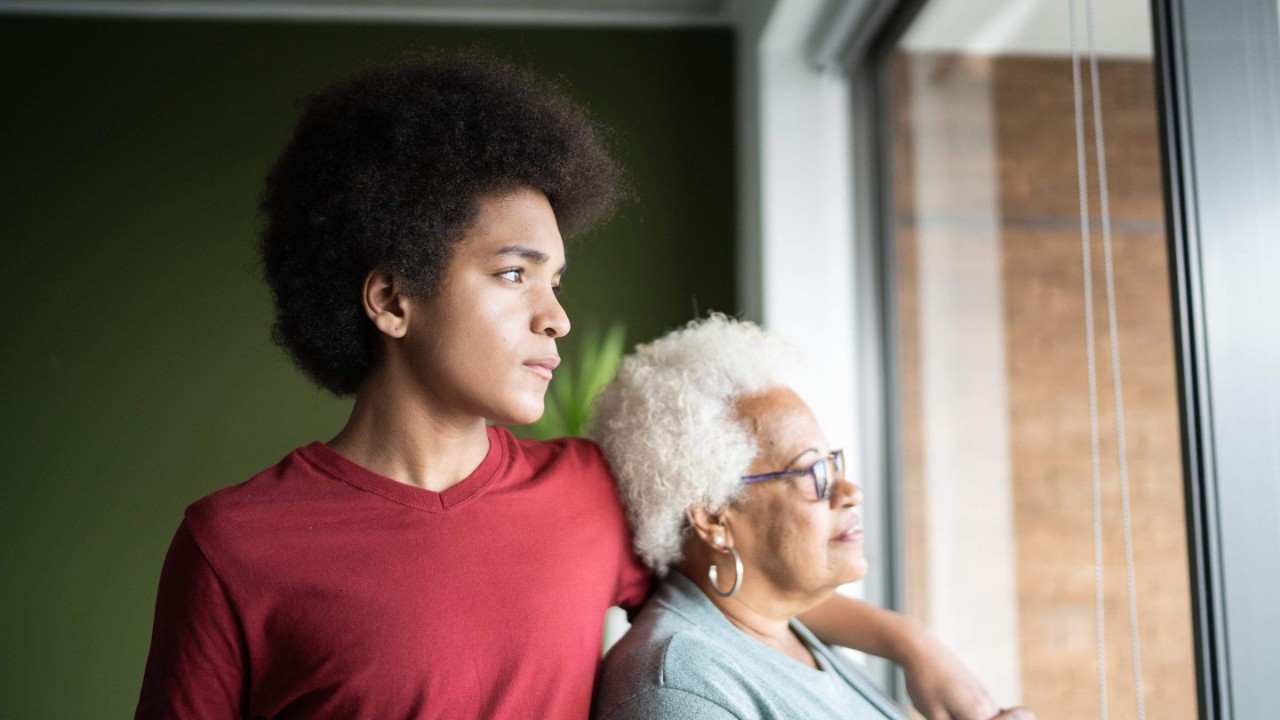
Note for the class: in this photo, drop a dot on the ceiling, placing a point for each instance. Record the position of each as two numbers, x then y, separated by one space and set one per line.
559 12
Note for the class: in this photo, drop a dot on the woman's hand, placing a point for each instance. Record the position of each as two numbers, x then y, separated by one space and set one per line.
942 688
1016 713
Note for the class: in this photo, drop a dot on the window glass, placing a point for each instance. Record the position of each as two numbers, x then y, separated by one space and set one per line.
990 346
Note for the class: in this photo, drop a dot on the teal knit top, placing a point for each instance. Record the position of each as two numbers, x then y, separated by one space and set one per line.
684 659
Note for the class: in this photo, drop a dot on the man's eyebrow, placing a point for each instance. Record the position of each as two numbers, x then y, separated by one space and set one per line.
527 253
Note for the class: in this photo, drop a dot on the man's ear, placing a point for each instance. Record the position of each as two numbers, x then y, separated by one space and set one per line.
385 304
711 527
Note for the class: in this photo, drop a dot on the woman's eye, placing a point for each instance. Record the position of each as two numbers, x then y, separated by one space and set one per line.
557 289
512 275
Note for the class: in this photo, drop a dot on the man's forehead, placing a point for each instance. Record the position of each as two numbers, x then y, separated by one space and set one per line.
523 252
486 244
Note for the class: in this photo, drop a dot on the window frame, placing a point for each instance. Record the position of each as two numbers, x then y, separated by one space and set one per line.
1221 328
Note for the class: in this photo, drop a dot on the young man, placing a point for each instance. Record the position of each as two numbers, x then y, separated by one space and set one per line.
423 563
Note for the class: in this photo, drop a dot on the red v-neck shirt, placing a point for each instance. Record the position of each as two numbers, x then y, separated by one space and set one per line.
319 589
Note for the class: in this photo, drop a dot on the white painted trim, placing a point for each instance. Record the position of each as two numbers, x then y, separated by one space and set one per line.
806 223
312 12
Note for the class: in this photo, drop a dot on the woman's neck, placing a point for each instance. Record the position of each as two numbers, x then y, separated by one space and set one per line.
757 612
401 435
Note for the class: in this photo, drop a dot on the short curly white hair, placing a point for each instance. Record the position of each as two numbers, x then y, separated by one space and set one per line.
668 424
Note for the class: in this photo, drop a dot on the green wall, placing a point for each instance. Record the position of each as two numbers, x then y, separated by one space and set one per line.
137 372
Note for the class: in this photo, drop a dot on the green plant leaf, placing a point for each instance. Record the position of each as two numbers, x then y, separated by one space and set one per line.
572 392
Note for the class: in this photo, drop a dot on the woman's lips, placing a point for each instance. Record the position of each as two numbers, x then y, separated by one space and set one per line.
854 535
851 532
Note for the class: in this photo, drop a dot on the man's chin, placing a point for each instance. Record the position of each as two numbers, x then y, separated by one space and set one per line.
517 416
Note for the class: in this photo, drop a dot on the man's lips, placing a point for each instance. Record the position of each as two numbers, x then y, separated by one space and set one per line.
543 366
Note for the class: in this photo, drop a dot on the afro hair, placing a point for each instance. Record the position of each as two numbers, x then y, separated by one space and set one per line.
384 173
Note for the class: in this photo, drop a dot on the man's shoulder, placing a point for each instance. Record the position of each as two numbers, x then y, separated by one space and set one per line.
565 459
571 450
270 493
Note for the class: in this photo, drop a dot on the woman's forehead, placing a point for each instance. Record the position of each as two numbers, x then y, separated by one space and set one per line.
783 426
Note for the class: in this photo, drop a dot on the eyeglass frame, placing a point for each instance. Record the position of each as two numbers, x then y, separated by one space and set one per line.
820 487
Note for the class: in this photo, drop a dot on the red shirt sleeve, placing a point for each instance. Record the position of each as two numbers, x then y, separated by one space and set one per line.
634 580
197 664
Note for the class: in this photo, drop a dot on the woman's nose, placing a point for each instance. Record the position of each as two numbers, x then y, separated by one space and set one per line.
846 494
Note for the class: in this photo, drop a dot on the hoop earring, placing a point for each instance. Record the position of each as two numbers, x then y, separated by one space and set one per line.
713 574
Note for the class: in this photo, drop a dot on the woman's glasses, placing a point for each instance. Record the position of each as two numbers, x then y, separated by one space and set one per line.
822 472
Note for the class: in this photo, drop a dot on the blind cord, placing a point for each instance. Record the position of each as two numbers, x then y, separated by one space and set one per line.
1117 385
1113 328
1082 182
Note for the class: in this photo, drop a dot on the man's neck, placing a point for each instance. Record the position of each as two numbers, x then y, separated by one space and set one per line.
400 434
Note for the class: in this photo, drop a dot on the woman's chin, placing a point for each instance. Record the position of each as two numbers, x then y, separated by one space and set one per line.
853 567
860 571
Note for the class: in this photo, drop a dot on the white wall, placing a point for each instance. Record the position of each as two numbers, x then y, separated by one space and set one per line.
805 215
796 260
802 261
801 254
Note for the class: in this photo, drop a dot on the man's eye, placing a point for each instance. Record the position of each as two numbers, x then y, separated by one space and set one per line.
512 275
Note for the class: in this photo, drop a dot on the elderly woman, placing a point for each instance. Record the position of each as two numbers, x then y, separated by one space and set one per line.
737 501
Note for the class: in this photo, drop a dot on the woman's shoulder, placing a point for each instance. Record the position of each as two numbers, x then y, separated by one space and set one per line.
665 702
663 638
667 676
667 660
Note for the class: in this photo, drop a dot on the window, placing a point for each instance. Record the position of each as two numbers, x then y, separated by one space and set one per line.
991 355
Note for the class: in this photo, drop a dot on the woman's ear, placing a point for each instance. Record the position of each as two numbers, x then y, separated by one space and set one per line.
385 304
711 527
